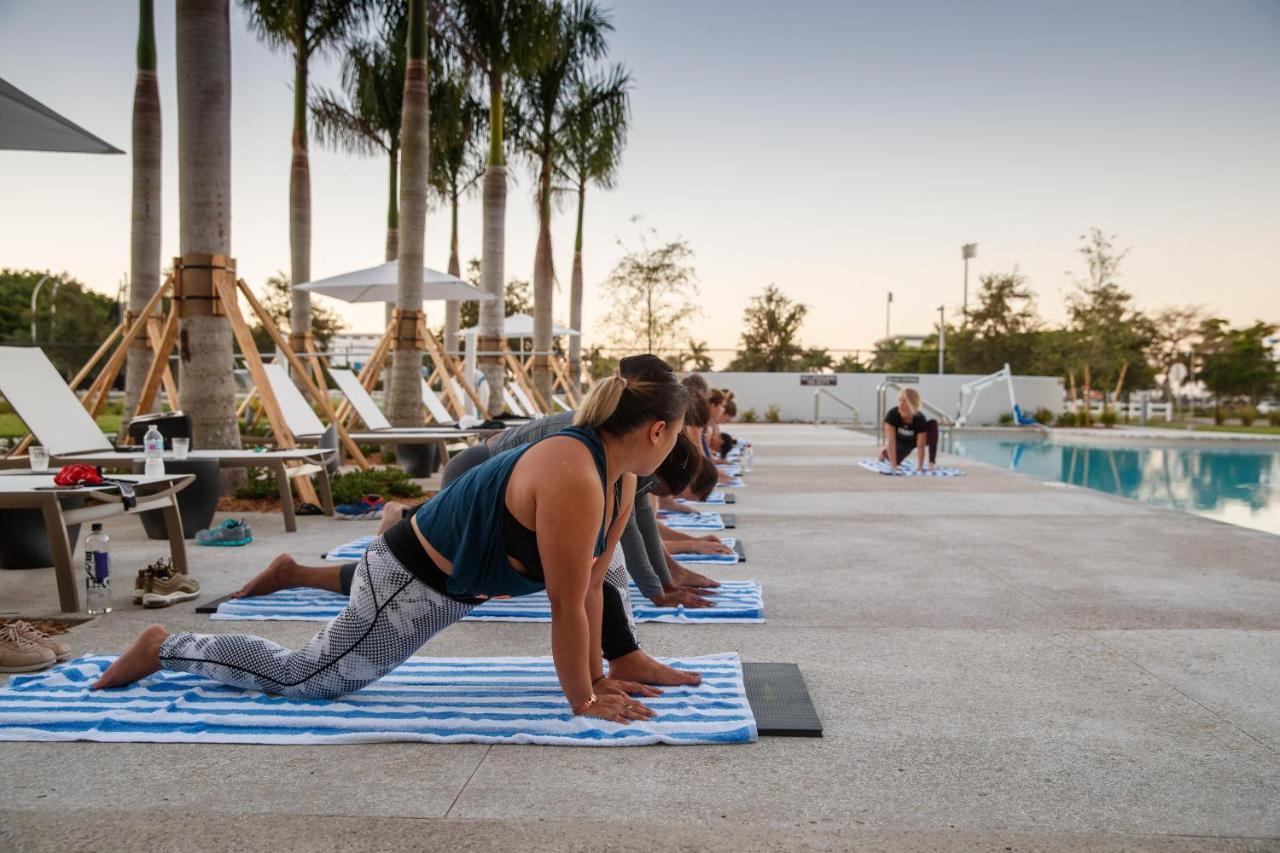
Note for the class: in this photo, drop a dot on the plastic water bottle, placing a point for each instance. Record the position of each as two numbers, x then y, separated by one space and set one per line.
748 456
97 571
153 450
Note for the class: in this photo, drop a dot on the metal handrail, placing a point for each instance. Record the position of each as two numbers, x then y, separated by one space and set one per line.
817 399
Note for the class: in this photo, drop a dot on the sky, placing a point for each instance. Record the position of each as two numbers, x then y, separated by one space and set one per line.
840 150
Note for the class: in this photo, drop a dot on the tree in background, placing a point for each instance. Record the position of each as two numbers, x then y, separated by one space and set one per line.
304 28
405 405
696 358
598 364
770 336
652 290
205 375
576 35
364 118
1236 363
325 322
1175 335
144 229
594 132
518 298
457 127
850 363
816 360
499 38
71 319
1001 330
1110 335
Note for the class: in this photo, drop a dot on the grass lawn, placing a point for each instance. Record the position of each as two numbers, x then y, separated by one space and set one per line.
11 426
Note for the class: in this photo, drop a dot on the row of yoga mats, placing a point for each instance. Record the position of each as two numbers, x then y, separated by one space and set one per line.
735 601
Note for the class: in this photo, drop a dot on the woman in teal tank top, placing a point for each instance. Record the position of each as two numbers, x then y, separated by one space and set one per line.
546 515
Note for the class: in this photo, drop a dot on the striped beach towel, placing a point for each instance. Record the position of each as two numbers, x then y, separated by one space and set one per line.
908 469
733 469
352 550
691 520
428 700
737 601
716 498
711 559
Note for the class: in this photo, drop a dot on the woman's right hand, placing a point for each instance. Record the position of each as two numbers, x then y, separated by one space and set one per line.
618 709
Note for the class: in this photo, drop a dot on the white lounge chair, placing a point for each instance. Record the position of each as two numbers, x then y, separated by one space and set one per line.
379 428
435 408
527 404
561 403
53 413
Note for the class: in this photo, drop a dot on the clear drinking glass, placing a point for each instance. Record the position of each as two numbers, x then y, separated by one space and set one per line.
180 447
39 458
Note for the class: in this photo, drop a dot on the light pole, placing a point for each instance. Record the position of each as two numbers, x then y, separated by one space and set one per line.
967 251
942 337
887 305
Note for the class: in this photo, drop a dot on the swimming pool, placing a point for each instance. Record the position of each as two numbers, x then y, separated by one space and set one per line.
1235 483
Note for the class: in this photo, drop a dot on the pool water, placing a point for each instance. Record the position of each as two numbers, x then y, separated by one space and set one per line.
1232 483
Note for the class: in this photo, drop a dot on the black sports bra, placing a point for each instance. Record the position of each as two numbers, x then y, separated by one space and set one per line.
521 543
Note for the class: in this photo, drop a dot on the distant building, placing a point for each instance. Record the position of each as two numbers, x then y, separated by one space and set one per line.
902 341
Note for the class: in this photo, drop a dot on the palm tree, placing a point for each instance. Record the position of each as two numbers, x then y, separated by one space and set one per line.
144 248
499 38
580 37
304 28
203 48
593 136
457 122
415 141
365 118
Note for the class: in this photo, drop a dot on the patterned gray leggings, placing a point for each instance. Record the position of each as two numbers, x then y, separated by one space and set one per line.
390 615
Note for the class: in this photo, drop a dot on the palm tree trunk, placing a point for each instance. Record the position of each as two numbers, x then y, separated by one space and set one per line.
575 296
453 308
406 367
299 195
393 209
543 285
204 211
492 269
144 248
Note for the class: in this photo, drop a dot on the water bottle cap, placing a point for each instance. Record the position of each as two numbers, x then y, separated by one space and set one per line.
97 527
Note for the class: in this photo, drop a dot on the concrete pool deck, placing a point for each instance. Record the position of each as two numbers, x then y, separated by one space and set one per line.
999 664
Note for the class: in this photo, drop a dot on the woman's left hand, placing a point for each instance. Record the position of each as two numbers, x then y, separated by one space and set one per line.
614 686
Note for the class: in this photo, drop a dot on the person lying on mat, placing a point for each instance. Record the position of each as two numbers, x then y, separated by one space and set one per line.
906 429
542 516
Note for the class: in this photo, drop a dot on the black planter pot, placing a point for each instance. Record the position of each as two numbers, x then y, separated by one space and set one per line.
419 460
23 543
196 503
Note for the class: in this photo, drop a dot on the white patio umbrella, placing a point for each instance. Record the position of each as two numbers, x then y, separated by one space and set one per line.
28 125
521 326
378 284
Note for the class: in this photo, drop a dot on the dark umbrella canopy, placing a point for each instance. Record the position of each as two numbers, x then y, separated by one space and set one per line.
28 125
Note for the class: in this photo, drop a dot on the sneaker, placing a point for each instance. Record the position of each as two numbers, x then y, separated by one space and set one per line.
233 531
369 506
162 565
60 649
166 587
18 654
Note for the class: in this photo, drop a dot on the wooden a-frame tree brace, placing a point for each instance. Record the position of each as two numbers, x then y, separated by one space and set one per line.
409 328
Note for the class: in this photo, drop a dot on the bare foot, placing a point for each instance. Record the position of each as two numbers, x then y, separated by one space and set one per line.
138 661
639 666
274 577
687 577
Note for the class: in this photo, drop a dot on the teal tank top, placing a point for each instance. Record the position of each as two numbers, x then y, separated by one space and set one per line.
464 522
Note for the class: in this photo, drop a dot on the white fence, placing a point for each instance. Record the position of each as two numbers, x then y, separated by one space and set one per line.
1131 410
794 396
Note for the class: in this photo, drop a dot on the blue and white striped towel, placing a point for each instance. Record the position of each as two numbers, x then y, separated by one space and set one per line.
691 520
733 469
908 469
710 559
352 550
741 602
716 498
428 700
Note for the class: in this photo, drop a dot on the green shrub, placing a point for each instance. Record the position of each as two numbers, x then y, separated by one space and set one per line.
773 414
1273 418
1006 418
259 483
1067 419
749 416
1218 416
350 486
1044 415
1247 415
1108 417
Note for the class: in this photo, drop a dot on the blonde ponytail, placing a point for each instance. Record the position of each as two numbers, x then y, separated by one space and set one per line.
601 402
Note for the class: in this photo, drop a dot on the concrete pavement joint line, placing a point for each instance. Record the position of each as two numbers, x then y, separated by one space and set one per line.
474 770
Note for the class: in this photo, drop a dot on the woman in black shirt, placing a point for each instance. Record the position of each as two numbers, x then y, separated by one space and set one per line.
907 429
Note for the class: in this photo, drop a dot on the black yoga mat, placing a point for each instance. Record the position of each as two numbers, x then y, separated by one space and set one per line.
742 554
780 700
